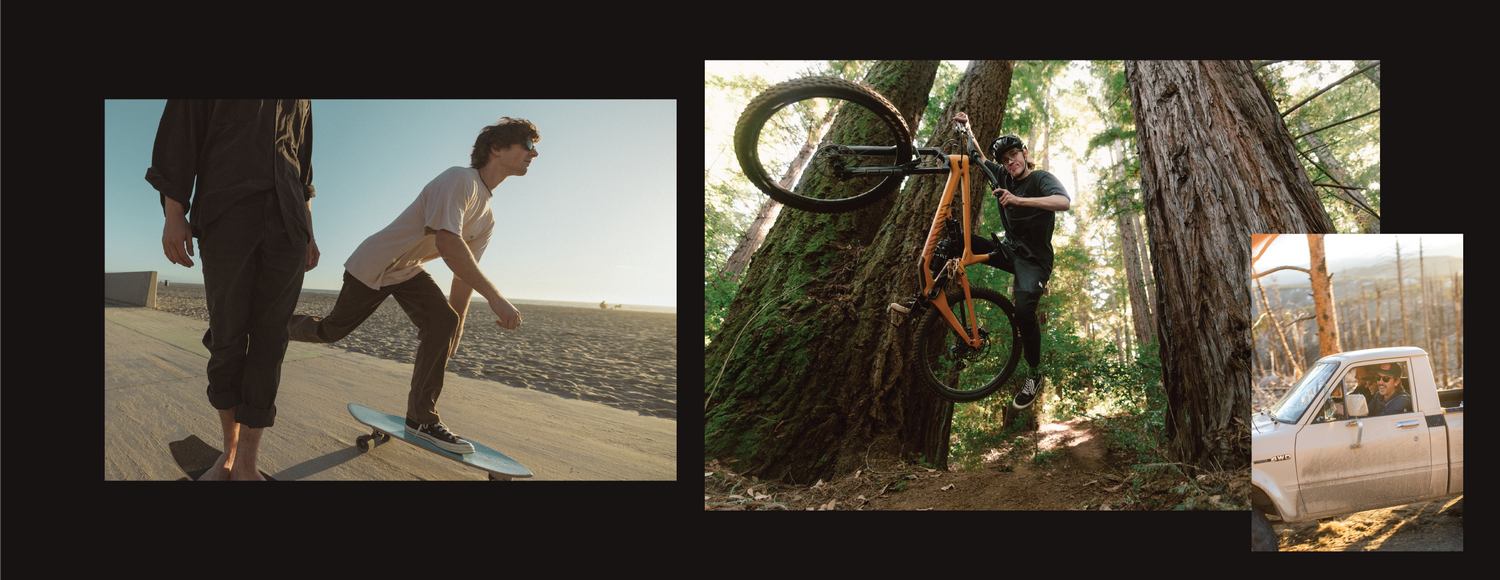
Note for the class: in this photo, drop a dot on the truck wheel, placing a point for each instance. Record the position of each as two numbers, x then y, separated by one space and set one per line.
1262 536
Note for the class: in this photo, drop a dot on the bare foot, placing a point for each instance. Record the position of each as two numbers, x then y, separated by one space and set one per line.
221 469
241 475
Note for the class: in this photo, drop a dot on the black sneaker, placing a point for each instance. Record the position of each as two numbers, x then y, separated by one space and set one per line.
440 436
1030 387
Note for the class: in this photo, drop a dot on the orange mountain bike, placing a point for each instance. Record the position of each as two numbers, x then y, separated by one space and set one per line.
966 343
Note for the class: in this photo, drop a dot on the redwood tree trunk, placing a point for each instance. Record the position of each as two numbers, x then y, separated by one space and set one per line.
819 378
1217 164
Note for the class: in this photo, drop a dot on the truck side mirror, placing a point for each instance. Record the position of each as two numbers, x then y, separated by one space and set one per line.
1356 405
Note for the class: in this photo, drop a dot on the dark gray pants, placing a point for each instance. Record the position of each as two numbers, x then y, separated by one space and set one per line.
252 274
1030 281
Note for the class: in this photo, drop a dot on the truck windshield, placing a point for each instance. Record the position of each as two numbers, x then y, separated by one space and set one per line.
1296 400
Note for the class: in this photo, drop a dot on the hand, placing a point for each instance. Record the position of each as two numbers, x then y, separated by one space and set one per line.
961 118
1006 197
177 240
312 255
510 318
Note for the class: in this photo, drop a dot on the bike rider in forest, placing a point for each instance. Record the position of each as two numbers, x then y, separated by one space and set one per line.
1026 250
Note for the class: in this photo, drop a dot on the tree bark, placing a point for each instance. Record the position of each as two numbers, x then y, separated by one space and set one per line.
1217 164
820 380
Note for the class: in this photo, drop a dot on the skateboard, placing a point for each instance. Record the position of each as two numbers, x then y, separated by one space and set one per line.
195 457
500 467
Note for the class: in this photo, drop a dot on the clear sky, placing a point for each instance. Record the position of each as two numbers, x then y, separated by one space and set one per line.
599 226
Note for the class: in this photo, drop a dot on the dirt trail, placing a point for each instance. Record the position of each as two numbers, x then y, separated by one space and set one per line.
1429 526
1082 473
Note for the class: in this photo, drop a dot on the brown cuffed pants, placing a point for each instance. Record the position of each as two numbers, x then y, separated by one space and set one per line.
423 301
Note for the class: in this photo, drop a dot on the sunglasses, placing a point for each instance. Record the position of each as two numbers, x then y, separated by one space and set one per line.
529 146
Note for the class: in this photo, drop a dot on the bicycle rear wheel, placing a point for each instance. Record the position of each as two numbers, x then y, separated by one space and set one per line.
950 366
771 108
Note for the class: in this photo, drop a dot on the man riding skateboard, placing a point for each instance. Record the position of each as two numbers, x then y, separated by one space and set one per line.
450 219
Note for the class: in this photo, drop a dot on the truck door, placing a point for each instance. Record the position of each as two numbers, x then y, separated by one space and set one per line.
1390 466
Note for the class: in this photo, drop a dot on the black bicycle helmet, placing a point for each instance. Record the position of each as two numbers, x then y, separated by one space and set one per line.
1004 143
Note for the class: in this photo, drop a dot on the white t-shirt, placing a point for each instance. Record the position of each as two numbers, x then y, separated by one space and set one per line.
456 200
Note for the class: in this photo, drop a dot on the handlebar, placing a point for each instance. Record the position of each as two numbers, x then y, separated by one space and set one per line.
910 168
890 150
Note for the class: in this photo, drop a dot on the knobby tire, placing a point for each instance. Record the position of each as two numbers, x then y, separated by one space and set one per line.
747 138
961 376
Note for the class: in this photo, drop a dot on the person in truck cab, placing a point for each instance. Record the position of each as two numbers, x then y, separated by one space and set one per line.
1365 376
1390 400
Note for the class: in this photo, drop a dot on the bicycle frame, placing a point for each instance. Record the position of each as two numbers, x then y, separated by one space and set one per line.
958 177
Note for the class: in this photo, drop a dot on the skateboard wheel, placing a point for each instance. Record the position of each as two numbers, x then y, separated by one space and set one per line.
360 441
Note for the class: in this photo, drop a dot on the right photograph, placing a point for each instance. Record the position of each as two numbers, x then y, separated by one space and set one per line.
1357 417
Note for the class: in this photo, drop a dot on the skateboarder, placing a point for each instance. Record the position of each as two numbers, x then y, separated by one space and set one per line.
253 221
450 219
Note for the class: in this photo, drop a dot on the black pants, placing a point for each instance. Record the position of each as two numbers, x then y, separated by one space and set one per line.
252 274
1031 279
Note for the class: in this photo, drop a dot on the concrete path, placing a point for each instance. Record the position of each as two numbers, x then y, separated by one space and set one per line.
154 394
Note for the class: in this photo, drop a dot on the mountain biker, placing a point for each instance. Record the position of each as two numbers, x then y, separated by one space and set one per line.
1026 250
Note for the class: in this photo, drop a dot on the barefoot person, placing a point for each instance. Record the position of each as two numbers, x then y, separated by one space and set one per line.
253 221
450 219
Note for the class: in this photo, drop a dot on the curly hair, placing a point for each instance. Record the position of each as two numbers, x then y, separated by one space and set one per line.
502 134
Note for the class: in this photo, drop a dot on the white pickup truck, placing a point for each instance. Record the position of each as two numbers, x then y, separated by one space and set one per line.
1343 439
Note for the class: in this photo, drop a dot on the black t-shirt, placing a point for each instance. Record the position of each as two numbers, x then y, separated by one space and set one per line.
233 149
1033 227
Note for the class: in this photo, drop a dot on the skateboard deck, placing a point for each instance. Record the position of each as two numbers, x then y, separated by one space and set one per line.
195 457
386 427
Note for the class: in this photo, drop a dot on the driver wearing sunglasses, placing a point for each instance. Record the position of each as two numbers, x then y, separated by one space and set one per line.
1389 398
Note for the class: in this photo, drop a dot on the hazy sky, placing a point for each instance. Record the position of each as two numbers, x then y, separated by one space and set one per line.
598 226
1291 249
1360 249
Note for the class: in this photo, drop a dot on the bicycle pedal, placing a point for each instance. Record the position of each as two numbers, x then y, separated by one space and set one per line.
902 309
892 318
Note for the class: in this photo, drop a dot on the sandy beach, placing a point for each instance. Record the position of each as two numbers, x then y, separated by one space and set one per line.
626 360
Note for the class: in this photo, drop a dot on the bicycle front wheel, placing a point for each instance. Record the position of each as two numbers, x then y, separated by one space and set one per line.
961 373
798 107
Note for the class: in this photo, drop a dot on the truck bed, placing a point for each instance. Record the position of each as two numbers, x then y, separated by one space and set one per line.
1451 397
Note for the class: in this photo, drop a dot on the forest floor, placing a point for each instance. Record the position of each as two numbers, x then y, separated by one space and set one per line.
1064 466
1429 526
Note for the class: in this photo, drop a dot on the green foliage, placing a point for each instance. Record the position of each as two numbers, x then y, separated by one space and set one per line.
718 292
1114 107
1142 427
943 87
1355 145
1085 379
